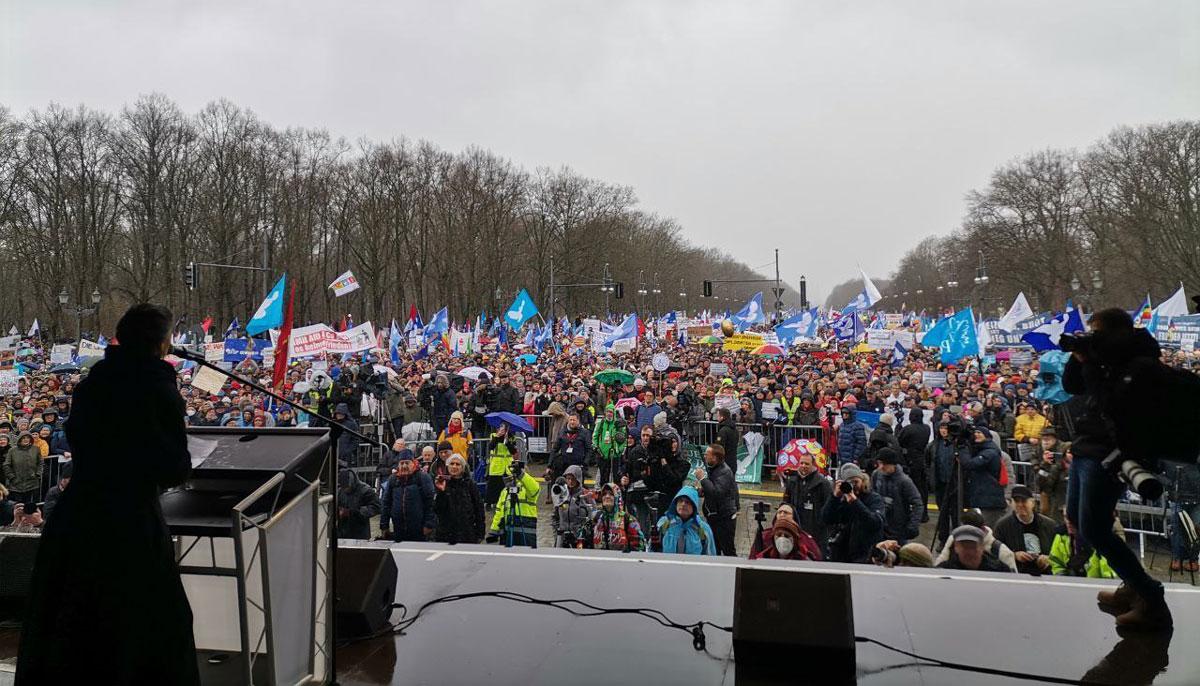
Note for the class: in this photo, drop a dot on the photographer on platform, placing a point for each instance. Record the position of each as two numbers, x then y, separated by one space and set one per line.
1098 364
857 516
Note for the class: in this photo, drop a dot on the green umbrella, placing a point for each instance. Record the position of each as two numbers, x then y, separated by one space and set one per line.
610 376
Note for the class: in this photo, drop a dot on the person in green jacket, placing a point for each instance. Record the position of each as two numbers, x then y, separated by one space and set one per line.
608 440
23 469
1071 556
516 524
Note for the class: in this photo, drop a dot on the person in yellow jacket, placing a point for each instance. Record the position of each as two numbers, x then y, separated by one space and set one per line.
1071 556
503 447
1028 427
515 520
457 435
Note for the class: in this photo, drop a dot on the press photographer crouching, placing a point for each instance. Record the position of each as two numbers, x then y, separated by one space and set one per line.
856 515
1117 369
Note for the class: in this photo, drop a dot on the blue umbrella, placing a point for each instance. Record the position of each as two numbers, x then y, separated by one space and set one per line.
495 419
527 358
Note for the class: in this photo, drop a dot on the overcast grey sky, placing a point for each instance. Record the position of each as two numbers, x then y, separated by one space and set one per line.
755 124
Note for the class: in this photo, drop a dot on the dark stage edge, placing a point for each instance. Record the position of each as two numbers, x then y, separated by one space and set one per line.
1010 622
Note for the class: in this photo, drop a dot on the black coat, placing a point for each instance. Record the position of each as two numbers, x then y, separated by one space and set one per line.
728 437
808 496
903 502
363 503
408 506
107 603
506 399
981 477
913 439
881 437
861 526
443 403
571 449
459 512
720 493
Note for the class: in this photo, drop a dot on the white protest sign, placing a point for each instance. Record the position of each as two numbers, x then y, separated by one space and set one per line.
933 379
10 342
624 345
1187 342
718 369
208 380
904 338
214 352
880 339
90 349
321 338
9 382
660 362
61 353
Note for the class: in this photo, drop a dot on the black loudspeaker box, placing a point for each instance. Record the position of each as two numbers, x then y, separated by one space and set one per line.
366 589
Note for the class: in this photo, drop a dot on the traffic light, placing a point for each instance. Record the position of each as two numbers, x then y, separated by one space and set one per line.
779 304
189 276
619 290
708 289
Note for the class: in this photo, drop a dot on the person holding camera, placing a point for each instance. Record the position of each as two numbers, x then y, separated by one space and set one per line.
1099 365
503 447
807 490
914 439
968 552
728 436
573 506
572 447
721 498
515 520
1051 476
900 496
891 553
857 515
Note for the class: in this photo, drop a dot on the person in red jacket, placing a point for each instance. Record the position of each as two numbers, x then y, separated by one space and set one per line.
788 542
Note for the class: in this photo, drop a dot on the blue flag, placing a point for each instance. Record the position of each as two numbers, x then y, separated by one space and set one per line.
627 329
846 326
233 326
803 325
438 325
899 352
521 310
395 338
1046 336
269 314
751 313
937 333
961 339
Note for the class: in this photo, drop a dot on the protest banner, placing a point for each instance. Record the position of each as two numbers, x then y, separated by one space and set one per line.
695 333
318 339
880 339
90 349
214 352
906 339
742 341
8 359
624 345
718 369
237 350
9 342
9 382
893 320
931 379
61 353
1021 357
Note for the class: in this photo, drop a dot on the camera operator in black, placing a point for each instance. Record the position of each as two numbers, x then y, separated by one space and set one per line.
807 490
857 515
721 498
1096 366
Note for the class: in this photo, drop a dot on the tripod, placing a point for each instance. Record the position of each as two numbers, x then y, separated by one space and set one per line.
951 506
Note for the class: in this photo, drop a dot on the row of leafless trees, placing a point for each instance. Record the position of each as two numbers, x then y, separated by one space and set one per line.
121 203
1104 226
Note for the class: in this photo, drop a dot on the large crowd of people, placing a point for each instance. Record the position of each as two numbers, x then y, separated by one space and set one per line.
646 459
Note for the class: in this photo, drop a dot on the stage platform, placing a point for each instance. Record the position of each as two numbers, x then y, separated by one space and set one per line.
1011 622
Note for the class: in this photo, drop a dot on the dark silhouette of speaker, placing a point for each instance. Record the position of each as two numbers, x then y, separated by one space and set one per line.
366 589
778 615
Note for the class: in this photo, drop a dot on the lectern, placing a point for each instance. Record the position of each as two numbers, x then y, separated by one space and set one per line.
254 532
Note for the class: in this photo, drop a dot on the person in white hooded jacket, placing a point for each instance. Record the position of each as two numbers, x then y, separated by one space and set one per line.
1001 551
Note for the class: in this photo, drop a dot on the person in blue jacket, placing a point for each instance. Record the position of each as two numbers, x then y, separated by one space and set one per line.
683 529
408 513
852 437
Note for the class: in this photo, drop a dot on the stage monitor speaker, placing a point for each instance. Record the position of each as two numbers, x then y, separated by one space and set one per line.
366 589
778 614
17 554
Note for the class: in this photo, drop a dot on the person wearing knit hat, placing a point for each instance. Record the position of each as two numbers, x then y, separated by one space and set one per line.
914 555
903 498
788 542
457 435
856 514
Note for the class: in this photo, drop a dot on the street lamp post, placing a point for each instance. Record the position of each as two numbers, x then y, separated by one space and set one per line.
642 293
80 312
657 292
683 296
981 280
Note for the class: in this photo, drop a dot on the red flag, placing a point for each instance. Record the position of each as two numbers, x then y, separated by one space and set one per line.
205 324
342 325
284 340
641 328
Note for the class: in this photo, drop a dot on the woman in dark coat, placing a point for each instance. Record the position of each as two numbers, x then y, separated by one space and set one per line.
458 505
107 605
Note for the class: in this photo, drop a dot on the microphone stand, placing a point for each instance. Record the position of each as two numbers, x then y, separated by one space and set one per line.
336 429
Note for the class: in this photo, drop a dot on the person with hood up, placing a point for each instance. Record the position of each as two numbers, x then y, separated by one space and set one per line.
441 402
900 496
683 530
807 415
913 440
858 515
852 437
882 436
347 443
23 469
612 527
721 500
357 504
515 521
574 512
787 542
408 508
458 505
981 476
608 440
457 435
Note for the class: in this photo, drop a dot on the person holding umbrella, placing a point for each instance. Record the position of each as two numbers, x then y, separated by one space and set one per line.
504 446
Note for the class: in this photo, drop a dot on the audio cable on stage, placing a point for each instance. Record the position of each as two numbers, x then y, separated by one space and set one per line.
578 608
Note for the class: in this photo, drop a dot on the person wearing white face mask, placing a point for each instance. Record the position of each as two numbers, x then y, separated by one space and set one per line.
788 542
